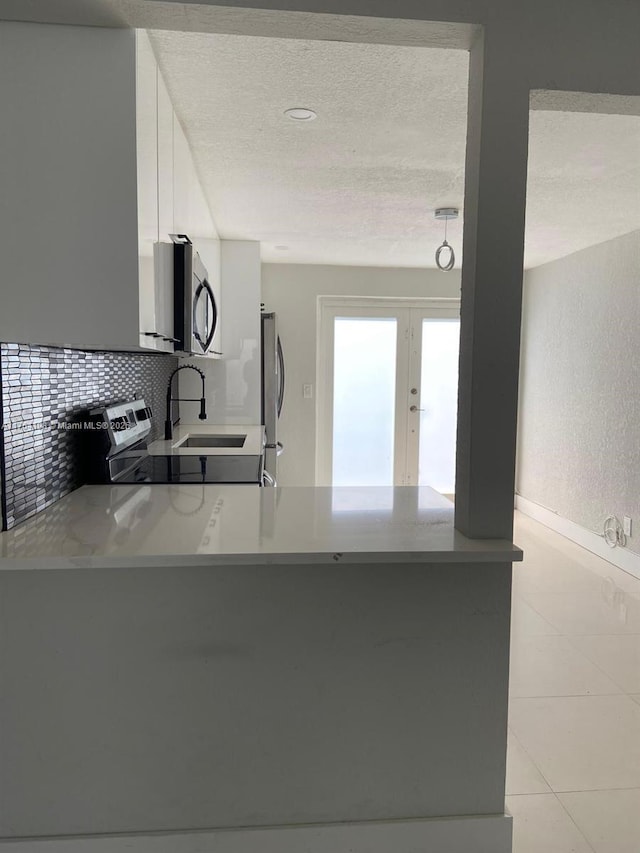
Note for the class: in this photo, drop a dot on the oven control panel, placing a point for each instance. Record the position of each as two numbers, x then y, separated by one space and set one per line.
124 423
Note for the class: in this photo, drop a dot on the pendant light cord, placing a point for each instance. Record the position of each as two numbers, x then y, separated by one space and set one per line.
452 258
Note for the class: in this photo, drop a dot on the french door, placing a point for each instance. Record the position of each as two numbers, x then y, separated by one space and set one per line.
387 392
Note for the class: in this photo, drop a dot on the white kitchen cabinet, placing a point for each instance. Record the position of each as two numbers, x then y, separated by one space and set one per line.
163 262
192 215
69 212
202 221
163 268
154 135
147 173
183 173
165 162
91 188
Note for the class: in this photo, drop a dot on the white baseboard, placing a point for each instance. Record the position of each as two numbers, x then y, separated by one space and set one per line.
490 834
624 559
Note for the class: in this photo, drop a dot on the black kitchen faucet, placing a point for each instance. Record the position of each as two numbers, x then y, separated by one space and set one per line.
168 425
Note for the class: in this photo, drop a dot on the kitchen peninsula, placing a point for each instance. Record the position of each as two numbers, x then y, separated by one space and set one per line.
280 669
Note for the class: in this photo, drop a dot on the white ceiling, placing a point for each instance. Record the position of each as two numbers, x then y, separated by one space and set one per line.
359 185
584 182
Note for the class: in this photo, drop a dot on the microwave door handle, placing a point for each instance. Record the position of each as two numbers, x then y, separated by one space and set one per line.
281 376
212 309
194 316
205 336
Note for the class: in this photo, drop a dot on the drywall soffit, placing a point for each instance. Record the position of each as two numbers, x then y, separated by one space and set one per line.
584 102
231 20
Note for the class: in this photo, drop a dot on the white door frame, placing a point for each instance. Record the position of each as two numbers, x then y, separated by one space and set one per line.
330 307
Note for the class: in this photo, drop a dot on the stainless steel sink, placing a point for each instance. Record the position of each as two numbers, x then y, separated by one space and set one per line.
213 441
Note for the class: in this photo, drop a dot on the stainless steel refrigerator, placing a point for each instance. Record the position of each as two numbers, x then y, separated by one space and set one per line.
273 381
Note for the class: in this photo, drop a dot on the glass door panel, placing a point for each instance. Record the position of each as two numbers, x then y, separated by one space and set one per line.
438 404
364 401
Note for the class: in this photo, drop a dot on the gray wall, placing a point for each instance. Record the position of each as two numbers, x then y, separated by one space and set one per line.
579 430
292 290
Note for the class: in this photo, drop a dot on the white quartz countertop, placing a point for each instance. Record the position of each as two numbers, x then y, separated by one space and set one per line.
253 445
178 525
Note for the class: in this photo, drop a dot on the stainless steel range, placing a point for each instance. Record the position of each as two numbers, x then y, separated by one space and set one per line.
114 450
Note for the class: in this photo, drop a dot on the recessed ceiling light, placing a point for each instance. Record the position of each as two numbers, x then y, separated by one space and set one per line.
300 114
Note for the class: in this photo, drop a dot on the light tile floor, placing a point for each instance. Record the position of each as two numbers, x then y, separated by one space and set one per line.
573 756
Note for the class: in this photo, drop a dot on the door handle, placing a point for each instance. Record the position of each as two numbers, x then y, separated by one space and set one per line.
415 409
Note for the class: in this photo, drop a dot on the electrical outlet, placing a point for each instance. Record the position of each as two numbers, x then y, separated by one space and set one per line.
307 392
626 526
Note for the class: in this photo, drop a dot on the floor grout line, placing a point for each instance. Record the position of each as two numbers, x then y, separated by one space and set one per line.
526 752
597 665
561 804
620 692
599 790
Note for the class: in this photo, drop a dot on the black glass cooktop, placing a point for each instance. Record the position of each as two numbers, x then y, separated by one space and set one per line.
211 468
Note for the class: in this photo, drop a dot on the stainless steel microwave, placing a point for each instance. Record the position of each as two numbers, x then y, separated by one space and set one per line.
196 309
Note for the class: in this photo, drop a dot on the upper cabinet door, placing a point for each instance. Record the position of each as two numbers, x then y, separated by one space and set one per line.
164 256
147 166
191 211
182 182
201 215
165 162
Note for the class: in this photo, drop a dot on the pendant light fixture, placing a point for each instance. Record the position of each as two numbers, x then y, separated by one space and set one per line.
445 256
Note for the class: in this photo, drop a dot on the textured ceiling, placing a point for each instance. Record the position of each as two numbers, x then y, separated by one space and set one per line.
584 182
359 185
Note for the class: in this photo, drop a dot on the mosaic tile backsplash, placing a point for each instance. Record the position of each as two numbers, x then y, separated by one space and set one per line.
45 388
